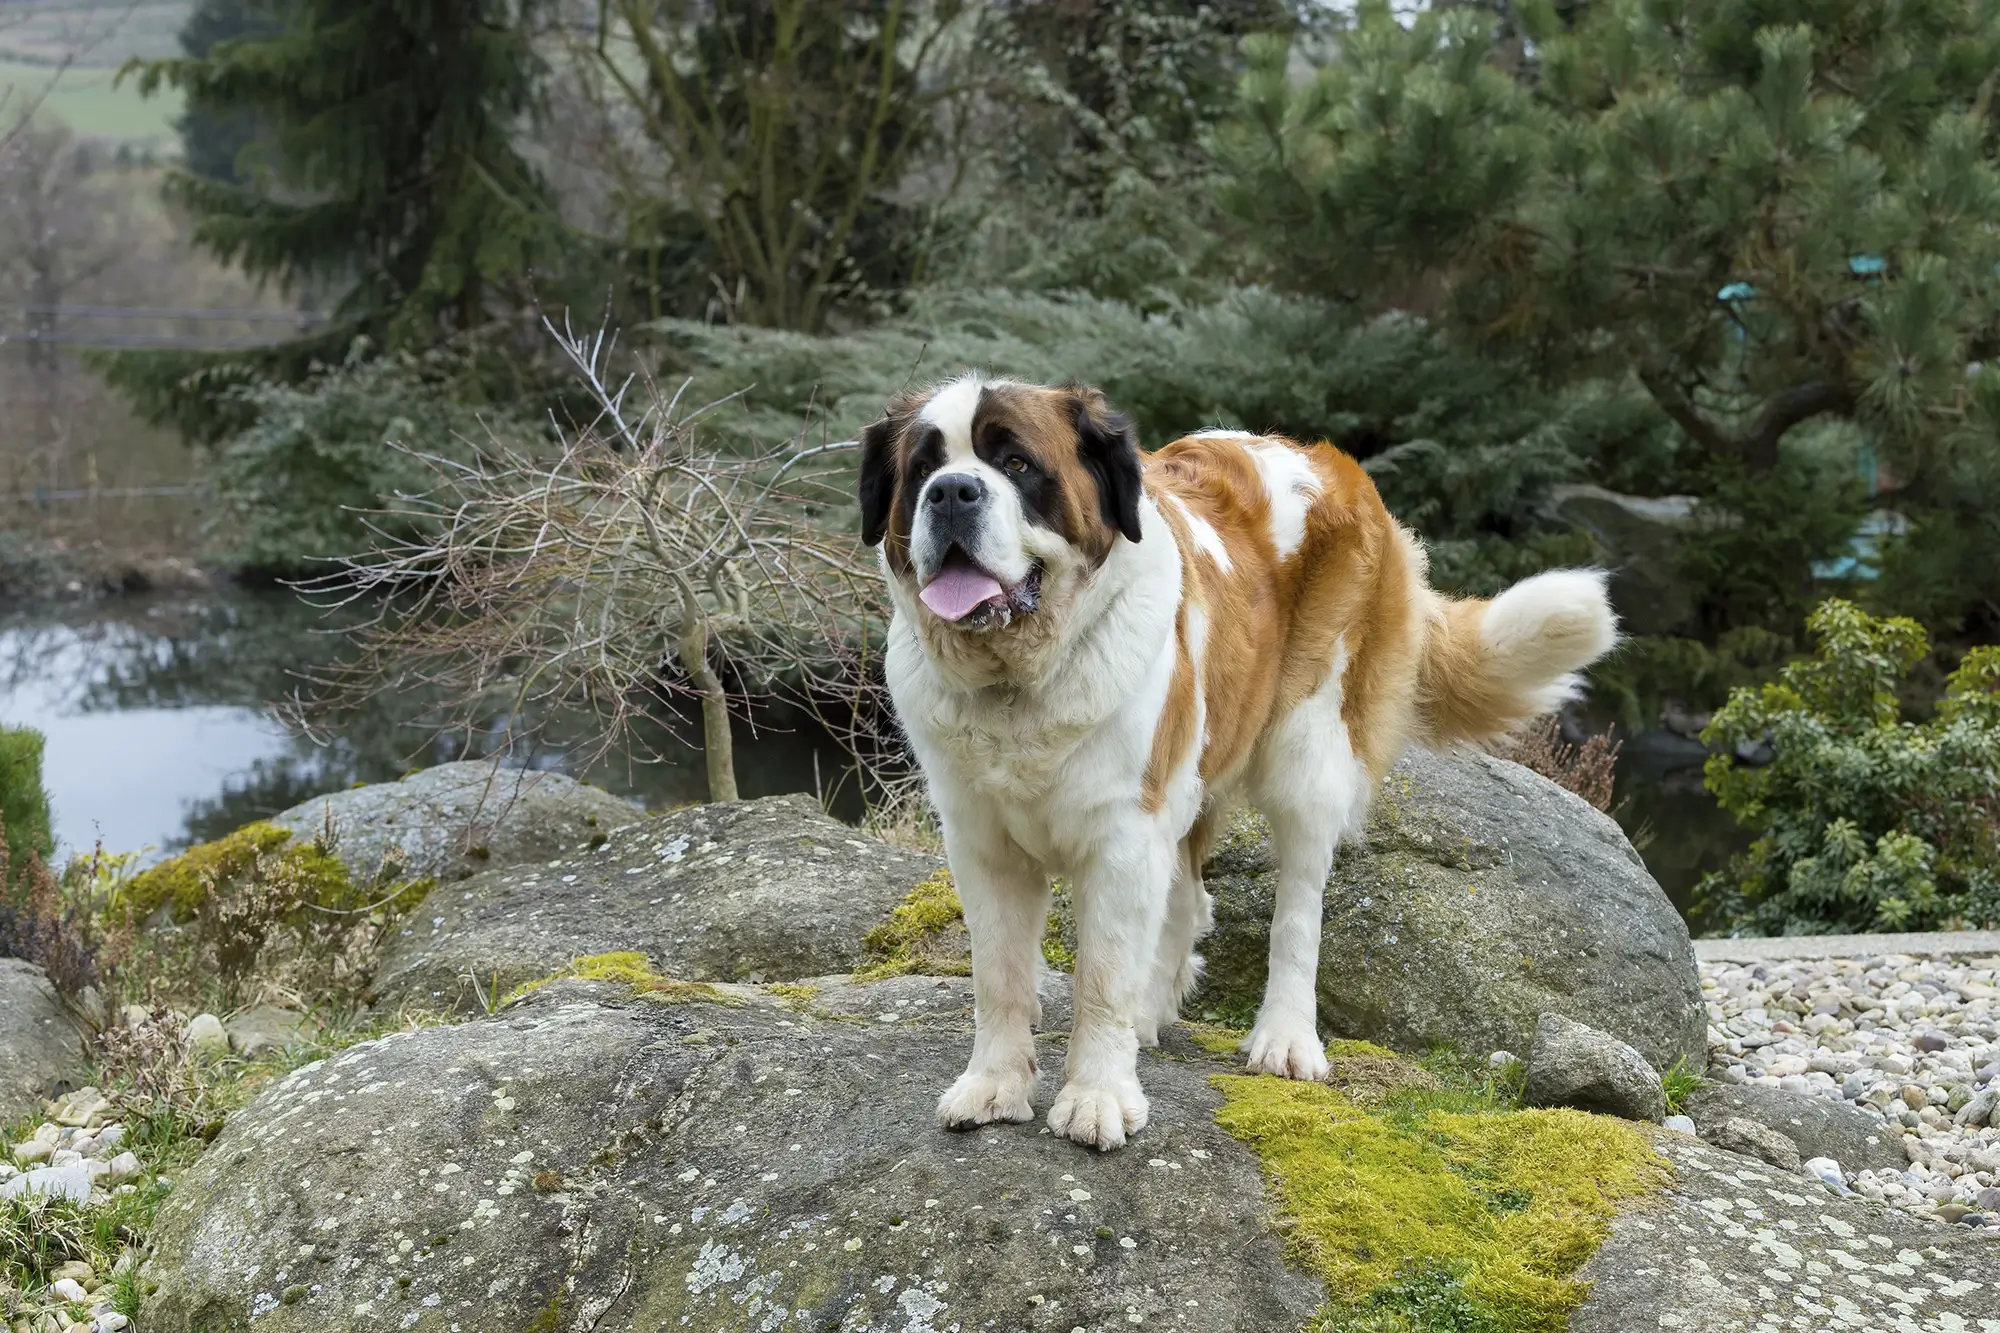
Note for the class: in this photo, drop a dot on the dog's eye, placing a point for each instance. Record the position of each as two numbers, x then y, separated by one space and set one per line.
923 469
1017 465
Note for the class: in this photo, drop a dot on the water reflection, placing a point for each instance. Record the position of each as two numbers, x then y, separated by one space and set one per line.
161 730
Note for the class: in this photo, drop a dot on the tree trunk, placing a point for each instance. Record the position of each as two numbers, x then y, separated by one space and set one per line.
717 744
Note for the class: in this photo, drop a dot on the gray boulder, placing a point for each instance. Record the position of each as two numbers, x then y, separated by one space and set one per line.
766 890
588 1160
1735 1134
456 820
1641 537
1573 1065
1734 1245
1481 897
41 1047
1817 1126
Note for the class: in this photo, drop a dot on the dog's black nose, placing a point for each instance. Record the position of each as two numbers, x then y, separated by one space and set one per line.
963 487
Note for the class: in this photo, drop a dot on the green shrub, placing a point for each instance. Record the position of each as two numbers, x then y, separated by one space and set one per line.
1865 820
24 805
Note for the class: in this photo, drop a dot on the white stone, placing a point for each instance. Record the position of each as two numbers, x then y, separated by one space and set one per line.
206 1034
70 1182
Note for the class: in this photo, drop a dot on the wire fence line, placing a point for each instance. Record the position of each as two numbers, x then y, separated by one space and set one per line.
44 496
44 326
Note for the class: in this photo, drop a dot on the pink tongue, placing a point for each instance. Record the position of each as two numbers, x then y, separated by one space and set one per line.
957 589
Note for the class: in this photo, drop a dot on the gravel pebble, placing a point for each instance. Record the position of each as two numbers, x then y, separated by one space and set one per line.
1915 1041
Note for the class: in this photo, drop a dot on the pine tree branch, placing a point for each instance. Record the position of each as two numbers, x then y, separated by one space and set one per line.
1757 447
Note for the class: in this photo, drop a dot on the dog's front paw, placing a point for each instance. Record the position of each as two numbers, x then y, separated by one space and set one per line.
1287 1048
1098 1115
980 1099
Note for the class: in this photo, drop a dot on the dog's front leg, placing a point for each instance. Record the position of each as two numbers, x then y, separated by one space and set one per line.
1121 902
1006 902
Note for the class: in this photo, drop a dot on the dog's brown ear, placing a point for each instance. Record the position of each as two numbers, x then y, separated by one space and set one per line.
1109 447
879 467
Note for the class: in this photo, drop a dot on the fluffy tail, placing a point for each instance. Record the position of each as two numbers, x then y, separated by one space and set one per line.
1491 666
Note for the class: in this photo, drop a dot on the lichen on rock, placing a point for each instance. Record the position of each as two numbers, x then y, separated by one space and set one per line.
627 968
1425 1206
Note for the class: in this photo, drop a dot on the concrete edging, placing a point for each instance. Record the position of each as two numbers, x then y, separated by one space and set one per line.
1786 948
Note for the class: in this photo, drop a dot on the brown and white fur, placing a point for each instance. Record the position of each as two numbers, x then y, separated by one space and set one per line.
1235 618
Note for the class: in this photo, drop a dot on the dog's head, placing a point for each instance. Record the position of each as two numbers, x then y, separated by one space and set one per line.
993 501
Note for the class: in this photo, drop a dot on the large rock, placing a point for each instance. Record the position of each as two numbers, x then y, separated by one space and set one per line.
765 890
1737 1246
1641 537
586 1160
455 820
41 1047
1817 1126
1481 897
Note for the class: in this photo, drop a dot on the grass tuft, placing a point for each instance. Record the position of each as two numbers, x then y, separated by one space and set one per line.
1679 1083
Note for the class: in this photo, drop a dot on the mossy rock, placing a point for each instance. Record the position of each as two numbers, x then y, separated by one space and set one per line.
926 935
768 890
1480 897
1480 1213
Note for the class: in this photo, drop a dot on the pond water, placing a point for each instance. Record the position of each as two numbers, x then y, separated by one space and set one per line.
161 732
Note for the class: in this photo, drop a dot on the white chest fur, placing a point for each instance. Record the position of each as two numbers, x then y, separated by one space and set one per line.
1049 760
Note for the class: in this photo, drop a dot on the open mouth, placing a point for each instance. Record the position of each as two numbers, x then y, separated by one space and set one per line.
965 594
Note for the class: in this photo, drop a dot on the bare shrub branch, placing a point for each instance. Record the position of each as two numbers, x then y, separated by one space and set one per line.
610 571
1588 769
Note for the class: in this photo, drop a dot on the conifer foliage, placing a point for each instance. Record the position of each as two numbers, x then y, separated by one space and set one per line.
1770 211
393 176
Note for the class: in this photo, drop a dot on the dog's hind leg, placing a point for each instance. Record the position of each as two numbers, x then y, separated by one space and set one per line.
1312 788
1190 915
1006 902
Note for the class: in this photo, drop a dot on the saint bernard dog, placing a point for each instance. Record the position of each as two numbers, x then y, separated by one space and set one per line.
1096 654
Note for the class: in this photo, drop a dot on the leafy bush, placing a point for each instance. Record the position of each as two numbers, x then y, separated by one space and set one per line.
24 805
1865 820
297 484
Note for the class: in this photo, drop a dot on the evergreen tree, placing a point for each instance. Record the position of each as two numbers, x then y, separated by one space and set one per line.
212 142
1771 210
392 177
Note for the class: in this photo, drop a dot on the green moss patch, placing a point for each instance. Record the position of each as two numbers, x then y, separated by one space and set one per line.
925 933
183 882
1422 1219
629 968
1215 1038
255 853
794 996
925 936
